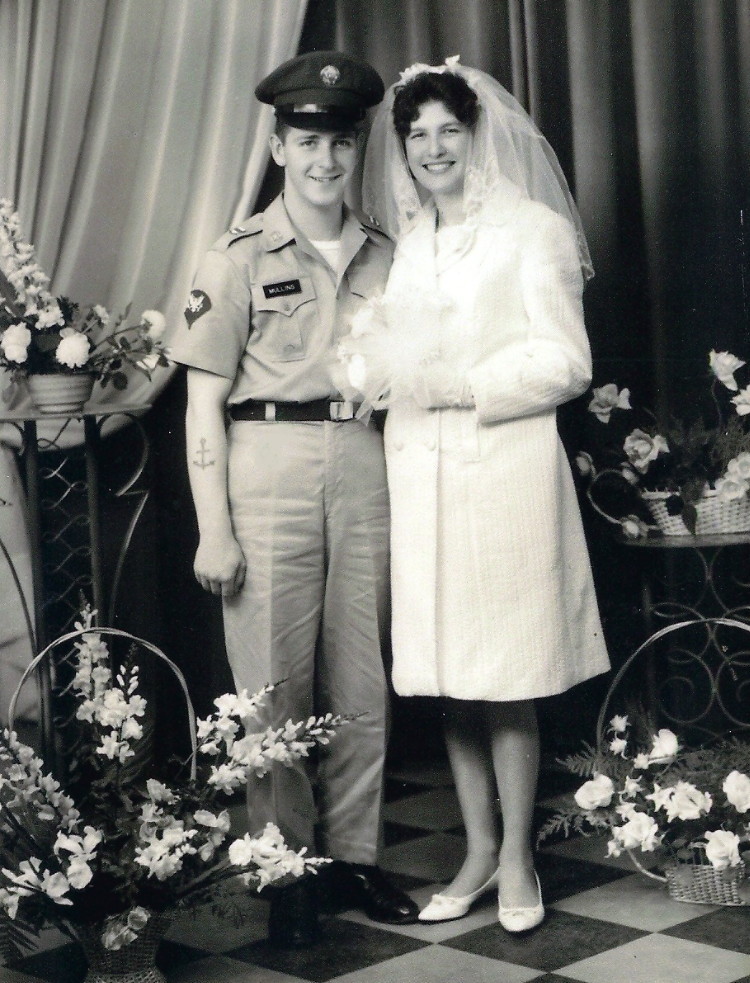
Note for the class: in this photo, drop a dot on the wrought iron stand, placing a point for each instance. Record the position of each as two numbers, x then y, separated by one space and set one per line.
65 526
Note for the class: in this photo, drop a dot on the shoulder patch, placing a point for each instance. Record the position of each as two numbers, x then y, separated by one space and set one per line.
199 303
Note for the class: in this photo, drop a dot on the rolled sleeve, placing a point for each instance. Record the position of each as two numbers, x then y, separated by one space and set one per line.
552 365
216 325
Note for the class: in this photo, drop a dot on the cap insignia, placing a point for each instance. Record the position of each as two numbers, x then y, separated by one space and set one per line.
330 75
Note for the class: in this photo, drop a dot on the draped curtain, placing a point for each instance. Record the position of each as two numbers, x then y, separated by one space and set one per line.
131 140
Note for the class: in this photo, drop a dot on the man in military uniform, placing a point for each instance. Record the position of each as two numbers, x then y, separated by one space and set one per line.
291 498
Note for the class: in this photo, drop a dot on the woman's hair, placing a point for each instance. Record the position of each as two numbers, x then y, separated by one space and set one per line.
452 90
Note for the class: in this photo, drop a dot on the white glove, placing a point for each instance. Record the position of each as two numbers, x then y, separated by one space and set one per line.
438 385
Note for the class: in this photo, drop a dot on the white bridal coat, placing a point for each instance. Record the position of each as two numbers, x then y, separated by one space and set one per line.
492 591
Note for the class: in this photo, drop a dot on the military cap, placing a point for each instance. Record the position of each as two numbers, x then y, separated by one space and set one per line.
321 90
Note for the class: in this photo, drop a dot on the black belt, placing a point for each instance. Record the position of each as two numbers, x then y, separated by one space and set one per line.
314 411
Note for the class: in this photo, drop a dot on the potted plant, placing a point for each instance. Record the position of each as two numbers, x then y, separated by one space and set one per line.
693 474
53 346
689 809
110 856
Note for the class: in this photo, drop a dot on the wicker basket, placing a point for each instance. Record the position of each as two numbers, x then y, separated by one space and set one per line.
714 514
697 882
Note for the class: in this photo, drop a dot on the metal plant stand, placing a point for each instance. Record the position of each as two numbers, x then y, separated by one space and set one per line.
693 669
64 500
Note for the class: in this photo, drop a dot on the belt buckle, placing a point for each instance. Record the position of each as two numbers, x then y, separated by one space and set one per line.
341 410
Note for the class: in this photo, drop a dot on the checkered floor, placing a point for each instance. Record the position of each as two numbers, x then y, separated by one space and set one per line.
605 924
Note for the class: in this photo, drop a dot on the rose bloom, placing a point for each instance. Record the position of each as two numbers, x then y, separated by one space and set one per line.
723 849
724 365
742 401
731 488
595 793
737 790
156 324
639 831
664 746
687 802
641 449
15 342
73 349
606 399
740 466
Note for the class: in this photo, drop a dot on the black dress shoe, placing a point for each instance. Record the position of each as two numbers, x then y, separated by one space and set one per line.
366 887
293 916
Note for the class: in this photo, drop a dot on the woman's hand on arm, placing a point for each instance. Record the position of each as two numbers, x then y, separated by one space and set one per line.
219 561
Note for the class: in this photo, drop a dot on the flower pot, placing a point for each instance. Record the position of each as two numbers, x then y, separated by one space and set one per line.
715 515
133 963
64 392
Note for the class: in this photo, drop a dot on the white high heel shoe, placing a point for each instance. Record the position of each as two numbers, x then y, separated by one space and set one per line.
444 908
522 919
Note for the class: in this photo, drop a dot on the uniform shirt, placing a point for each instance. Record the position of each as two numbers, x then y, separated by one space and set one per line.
267 311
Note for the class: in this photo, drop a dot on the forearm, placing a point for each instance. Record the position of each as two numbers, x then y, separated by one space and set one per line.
206 448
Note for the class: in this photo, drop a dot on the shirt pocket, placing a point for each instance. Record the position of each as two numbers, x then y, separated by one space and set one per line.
281 312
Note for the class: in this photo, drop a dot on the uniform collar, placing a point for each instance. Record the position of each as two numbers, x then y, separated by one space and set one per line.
279 231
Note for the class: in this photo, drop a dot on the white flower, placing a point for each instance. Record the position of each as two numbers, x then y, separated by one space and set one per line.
664 747
724 365
687 802
737 790
742 401
639 831
156 324
595 793
633 527
641 449
606 399
731 487
618 745
50 316
641 761
356 370
73 350
619 724
723 848
584 463
101 314
15 342
740 466
632 786
149 362
660 796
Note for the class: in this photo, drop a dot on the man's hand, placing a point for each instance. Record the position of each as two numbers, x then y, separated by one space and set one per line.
220 566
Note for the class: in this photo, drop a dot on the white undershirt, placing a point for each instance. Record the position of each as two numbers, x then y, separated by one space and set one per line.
329 249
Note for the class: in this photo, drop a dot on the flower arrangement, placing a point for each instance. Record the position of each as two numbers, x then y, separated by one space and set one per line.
113 848
660 798
686 459
42 335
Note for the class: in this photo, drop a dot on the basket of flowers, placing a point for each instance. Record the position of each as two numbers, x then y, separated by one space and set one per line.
54 348
110 855
687 809
692 475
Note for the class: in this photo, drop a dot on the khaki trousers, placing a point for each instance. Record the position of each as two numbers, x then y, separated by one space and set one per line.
309 507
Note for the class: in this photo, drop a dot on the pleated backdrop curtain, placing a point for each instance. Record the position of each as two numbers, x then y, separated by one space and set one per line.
131 140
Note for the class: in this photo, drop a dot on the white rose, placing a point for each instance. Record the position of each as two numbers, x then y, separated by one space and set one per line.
15 342
737 789
639 831
595 793
740 466
73 350
724 365
731 488
723 849
687 802
664 747
606 399
641 449
156 324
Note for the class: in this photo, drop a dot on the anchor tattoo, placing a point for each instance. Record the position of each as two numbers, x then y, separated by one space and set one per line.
202 454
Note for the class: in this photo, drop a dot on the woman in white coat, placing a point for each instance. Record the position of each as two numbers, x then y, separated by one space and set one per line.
477 340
